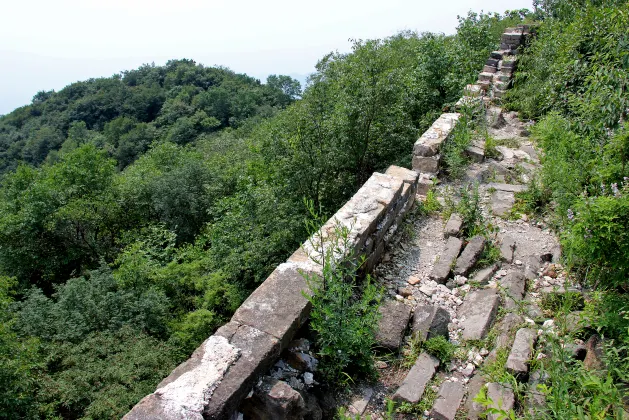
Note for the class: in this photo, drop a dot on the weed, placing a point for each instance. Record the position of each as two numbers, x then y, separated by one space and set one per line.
490 255
430 205
562 302
441 348
490 148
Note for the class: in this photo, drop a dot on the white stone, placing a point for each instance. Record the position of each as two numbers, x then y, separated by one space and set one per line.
308 378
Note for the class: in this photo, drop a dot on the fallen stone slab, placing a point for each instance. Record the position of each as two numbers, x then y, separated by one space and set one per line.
507 187
513 285
430 321
465 262
502 202
507 249
503 399
442 268
448 401
531 267
535 398
483 276
506 329
476 152
521 352
421 373
477 313
454 225
359 405
474 409
392 324
274 399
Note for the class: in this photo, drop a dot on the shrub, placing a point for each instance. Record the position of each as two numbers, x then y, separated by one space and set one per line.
344 313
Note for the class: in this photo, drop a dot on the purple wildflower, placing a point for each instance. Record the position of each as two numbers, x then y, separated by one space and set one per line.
615 189
570 215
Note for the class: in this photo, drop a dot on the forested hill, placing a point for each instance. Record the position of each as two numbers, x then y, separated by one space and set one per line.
127 112
138 211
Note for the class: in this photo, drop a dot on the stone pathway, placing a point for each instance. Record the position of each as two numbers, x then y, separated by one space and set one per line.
433 271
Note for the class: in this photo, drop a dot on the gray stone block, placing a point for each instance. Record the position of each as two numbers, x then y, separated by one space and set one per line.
182 394
454 225
429 165
483 276
514 285
502 202
278 306
503 398
259 351
430 142
475 152
477 313
448 401
414 384
392 324
430 321
442 268
521 352
470 255
507 187
507 249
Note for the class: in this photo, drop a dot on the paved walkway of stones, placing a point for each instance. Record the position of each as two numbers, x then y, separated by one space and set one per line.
434 288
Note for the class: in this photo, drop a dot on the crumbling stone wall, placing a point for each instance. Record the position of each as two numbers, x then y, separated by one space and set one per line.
223 370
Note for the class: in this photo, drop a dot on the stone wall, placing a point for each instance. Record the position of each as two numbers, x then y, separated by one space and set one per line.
223 370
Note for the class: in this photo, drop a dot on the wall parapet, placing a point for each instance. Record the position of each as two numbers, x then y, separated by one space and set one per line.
223 370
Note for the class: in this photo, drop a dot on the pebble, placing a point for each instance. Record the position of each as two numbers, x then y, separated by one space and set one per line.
308 378
518 262
469 370
380 364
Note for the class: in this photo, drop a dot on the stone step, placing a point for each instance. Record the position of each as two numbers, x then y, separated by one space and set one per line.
502 202
476 152
448 401
392 324
442 268
469 256
477 313
414 384
521 352
483 276
507 187
474 409
507 248
503 399
430 321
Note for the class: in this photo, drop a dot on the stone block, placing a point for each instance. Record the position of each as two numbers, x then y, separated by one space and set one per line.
259 351
485 76
492 62
359 405
428 165
454 225
513 284
442 268
476 152
469 256
274 399
430 321
406 175
278 306
424 184
507 187
502 396
484 275
186 391
474 409
521 352
490 69
414 384
392 324
498 93
477 313
448 401
507 249
536 399
496 55
430 142
502 202
472 90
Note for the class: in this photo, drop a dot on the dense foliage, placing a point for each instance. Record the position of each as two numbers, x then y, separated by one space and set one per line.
138 211
574 81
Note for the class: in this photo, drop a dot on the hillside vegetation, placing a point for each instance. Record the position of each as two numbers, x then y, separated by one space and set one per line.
138 211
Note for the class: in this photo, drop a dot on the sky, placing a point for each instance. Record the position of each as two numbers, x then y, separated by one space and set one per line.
47 44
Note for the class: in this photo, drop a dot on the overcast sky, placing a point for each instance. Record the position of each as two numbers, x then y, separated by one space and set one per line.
48 44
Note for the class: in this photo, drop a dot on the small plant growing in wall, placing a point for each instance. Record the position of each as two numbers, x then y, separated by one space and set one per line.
344 312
